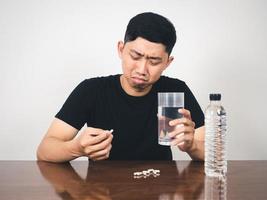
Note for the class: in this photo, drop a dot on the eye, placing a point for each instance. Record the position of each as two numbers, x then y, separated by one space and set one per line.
154 63
135 57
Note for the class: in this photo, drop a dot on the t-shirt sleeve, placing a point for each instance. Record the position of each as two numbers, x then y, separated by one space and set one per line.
76 109
192 105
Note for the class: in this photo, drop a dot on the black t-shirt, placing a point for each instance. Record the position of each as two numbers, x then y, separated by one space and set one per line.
102 103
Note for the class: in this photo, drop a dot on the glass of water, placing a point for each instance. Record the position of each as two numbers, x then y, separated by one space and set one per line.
168 105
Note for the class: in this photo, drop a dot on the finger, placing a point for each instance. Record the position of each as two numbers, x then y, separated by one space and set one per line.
188 138
184 121
99 146
94 131
89 140
100 158
101 153
103 157
178 139
181 146
186 143
178 130
186 113
181 129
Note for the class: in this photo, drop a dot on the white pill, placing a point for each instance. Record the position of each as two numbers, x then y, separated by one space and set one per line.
137 173
138 176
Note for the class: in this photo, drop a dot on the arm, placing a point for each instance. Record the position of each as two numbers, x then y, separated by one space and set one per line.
60 144
197 150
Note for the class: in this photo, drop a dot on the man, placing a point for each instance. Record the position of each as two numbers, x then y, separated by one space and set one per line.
127 104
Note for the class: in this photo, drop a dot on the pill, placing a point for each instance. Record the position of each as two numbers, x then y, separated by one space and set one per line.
137 173
145 172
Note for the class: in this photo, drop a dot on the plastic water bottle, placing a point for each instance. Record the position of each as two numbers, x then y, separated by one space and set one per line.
215 138
216 188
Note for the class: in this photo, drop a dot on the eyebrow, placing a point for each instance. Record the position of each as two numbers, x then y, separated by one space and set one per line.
148 57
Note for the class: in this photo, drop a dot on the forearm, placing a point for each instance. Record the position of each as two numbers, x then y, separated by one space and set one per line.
54 150
197 151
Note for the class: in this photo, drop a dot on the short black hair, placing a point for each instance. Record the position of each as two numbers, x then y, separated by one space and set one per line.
152 27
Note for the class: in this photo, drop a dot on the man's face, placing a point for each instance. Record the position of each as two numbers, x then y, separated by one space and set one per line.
142 63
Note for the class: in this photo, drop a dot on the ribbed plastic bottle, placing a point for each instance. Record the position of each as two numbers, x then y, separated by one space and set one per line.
215 138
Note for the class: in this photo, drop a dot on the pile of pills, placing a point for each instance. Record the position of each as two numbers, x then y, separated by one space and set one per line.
146 173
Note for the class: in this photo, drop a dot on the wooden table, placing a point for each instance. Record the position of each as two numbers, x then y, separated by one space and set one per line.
107 180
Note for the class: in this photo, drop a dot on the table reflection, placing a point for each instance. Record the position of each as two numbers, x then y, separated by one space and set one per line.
216 188
107 180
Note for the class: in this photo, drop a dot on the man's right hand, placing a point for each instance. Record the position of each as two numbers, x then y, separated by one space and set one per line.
60 144
94 143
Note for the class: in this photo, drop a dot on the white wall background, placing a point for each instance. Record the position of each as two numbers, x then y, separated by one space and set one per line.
48 47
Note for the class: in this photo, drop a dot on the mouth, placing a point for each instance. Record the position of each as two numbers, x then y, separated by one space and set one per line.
139 80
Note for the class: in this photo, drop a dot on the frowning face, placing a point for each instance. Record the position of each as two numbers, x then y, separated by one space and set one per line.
142 63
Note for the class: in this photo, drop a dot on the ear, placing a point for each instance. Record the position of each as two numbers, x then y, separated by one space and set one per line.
120 47
170 59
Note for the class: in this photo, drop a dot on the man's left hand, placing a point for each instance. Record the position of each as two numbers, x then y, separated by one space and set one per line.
183 134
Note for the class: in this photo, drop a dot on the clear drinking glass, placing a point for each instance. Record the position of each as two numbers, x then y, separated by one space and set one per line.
168 105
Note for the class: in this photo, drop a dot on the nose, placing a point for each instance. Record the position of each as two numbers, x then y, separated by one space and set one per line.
142 67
